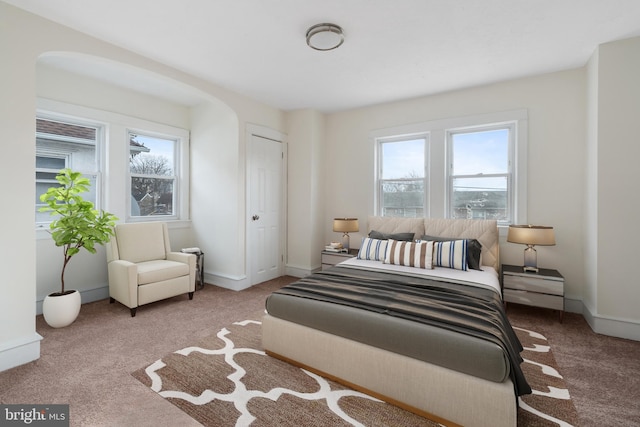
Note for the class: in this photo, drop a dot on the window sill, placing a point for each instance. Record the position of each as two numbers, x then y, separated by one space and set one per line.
42 230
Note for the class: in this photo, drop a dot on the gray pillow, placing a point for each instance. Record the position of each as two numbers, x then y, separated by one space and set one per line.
404 237
474 248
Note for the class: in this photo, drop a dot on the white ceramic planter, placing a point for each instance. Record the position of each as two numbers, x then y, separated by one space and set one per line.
60 311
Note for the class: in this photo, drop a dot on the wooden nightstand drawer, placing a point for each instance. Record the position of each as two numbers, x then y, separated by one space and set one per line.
533 284
534 299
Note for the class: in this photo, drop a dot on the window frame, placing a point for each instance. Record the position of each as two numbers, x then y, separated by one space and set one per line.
511 126
380 161
179 140
98 163
438 159
50 155
111 184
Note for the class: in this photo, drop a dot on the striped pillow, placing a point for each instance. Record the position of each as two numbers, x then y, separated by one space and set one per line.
418 254
372 249
451 254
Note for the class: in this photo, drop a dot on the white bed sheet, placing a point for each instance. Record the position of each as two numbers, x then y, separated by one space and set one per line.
487 277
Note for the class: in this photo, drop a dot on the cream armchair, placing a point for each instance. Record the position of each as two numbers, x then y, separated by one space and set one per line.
142 268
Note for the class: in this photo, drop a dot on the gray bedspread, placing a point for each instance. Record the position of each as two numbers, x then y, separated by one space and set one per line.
475 313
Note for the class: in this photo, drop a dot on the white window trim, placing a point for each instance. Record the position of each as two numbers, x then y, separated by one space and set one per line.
512 126
52 114
437 157
181 162
52 154
62 116
114 156
378 162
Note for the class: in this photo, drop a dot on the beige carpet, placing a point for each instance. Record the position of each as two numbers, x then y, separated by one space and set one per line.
226 380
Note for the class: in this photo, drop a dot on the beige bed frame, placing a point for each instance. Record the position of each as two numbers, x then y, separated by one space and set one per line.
443 395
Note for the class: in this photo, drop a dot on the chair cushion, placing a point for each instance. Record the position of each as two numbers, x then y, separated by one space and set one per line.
159 270
141 241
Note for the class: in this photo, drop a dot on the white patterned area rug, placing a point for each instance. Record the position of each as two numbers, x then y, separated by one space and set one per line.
227 380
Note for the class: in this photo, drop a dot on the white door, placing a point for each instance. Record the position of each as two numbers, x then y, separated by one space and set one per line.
265 209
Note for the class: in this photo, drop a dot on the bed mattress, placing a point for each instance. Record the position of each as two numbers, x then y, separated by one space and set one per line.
424 318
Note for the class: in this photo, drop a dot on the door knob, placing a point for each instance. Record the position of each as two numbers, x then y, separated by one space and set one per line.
255 217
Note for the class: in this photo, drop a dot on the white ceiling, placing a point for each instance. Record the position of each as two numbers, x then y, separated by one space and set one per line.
393 49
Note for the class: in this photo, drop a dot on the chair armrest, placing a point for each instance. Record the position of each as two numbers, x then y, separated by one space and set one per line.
123 282
182 257
187 259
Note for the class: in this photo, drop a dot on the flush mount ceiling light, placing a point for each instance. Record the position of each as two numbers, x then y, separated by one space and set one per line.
324 36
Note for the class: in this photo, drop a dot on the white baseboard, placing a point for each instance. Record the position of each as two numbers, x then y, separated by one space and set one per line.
292 270
20 351
228 282
620 328
88 295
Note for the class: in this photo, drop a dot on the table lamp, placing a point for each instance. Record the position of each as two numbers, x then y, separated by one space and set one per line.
531 235
345 225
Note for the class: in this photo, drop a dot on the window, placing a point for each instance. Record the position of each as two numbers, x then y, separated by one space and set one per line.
479 178
153 176
470 167
138 169
402 183
62 143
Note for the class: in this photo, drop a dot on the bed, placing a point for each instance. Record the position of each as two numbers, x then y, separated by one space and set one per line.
434 341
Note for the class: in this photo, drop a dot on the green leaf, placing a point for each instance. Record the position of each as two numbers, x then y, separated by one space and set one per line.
77 224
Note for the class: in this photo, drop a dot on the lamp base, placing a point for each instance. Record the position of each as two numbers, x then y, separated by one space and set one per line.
530 260
345 242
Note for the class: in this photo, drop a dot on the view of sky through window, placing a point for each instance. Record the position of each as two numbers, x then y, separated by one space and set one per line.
158 146
481 152
403 159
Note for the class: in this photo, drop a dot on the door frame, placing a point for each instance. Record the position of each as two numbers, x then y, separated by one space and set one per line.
274 135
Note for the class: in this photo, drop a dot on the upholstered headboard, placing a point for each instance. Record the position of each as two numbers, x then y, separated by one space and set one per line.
485 230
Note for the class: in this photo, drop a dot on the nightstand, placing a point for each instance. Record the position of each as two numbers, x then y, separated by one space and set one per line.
542 289
329 259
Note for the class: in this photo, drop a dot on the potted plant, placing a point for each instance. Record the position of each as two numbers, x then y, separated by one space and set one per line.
76 225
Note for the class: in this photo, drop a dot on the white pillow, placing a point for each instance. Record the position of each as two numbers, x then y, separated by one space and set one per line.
412 254
451 254
372 249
